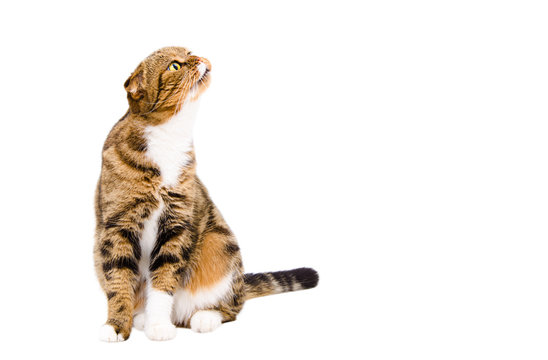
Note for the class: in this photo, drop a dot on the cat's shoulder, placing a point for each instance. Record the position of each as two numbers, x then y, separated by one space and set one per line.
116 131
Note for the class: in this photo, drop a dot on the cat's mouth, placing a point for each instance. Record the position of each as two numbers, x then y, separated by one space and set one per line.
204 76
202 79
202 82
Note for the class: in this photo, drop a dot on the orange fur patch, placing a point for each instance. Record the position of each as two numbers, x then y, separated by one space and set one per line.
213 263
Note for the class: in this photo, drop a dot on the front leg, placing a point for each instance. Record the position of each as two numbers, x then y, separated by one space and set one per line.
158 325
168 264
118 252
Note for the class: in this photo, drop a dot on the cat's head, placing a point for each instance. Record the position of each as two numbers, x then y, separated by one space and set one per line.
167 79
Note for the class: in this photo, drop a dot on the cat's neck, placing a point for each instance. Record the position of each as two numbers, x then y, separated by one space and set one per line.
181 123
170 144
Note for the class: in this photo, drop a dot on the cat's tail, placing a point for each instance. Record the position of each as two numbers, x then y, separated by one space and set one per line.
269 283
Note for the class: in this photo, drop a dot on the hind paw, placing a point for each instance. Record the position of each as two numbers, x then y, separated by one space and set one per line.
205 321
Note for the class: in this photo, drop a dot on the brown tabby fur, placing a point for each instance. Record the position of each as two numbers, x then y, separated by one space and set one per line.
194 248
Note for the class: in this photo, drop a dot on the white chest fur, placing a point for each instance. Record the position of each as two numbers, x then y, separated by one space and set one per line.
168 144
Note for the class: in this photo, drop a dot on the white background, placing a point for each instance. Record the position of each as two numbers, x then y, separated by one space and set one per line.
398 147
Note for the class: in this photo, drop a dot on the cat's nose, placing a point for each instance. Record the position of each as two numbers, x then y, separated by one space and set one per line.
204 61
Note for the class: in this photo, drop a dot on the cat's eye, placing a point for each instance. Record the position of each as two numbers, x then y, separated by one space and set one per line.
174 66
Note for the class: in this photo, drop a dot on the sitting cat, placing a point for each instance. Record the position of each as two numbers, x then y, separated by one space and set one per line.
163 253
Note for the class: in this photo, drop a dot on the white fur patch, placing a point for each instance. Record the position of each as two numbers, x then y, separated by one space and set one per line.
202 69
161 332
108 334
139 321
205 321
158 308
148 239
168 144
186 303
158 311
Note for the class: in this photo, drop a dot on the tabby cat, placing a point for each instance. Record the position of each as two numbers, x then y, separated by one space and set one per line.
164 255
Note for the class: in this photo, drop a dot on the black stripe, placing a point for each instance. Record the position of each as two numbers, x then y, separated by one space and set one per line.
114 219
131 163
136 143
219 230
282 278
256 279
167 232
176 195
111 294
232 248
161 260
133 239
146 213
210 219
105 248
186 251
123 262
180 270
104 251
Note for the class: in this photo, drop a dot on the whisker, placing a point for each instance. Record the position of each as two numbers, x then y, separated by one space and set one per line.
184 88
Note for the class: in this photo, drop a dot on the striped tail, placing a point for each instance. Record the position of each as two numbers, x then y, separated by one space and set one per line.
269 283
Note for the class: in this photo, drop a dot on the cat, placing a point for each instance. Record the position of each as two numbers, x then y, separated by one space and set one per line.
163 253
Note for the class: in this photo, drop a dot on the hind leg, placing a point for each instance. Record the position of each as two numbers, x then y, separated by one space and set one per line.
203 321
207 320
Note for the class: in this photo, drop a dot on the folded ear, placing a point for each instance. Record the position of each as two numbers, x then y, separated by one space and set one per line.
135 90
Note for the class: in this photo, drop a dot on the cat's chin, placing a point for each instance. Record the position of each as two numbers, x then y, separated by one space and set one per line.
205 76
201 85
202 80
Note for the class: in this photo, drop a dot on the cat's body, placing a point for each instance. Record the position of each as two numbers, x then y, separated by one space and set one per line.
163 253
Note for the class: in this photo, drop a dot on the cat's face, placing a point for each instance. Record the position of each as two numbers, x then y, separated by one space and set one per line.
165 80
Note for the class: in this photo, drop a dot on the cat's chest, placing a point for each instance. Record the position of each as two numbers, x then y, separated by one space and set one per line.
170 154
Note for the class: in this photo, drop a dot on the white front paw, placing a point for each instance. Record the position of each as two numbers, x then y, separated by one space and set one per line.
205 320
160 331
108 334
139 321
